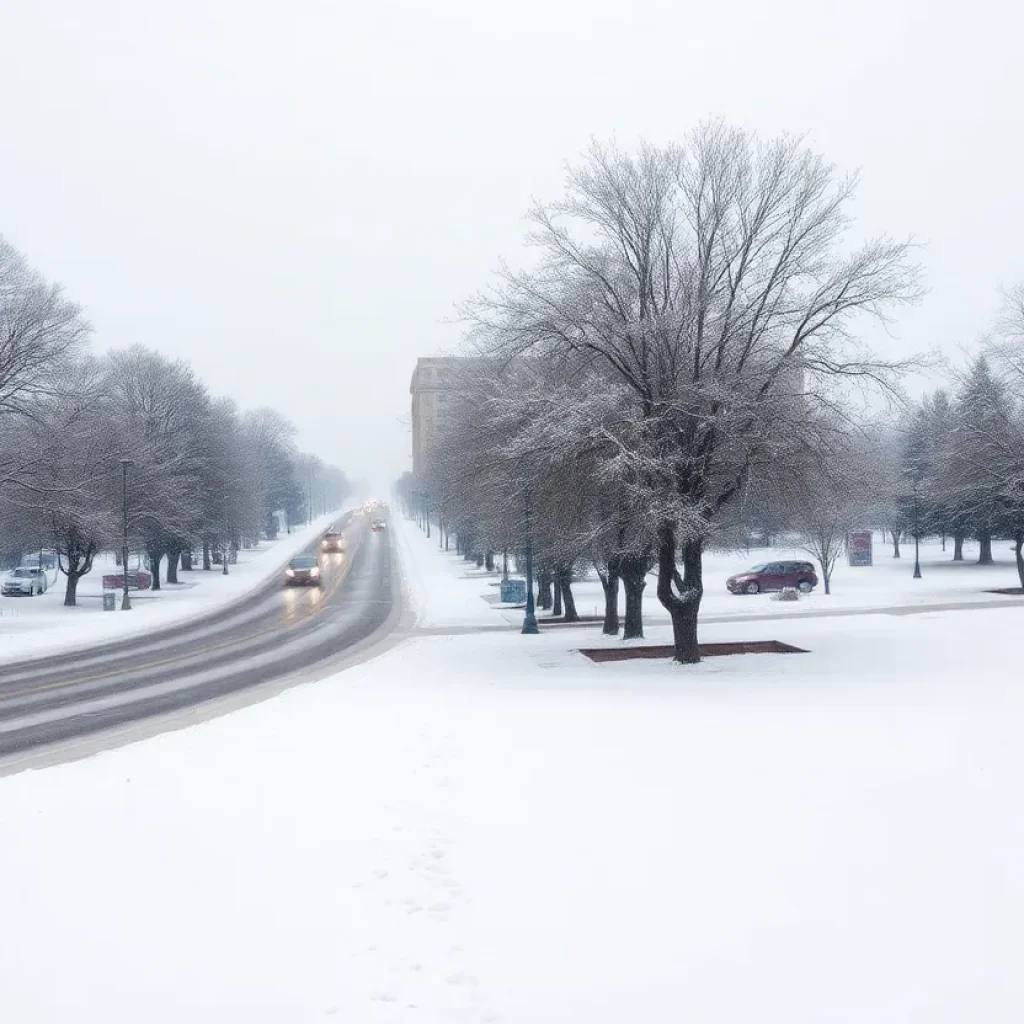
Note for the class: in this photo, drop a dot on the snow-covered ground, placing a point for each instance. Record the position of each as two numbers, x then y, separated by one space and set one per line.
463 594
40 625
491 828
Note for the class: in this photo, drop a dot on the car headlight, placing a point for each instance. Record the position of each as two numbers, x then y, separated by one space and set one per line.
289 572
314 571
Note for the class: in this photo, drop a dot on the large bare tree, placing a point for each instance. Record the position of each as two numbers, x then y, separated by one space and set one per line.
715 282
40 330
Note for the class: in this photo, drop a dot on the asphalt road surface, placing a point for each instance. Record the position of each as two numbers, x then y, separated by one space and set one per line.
278 632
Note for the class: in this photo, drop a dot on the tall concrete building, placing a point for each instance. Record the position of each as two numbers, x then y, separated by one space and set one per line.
435 382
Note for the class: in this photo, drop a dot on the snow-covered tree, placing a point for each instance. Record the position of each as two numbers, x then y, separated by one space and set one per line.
713 283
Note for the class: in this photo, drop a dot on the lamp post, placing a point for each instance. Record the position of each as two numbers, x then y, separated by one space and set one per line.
917 536
530 619
126 601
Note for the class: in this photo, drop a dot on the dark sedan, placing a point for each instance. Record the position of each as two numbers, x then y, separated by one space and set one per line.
774 576
302 571
332 543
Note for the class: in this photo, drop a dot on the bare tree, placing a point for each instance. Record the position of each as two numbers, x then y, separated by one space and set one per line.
40 333
162 413
713 283
70 488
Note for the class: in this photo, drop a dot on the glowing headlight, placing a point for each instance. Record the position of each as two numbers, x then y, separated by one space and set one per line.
289 572
314 571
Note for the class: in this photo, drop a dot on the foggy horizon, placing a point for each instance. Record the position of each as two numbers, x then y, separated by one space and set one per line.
295 204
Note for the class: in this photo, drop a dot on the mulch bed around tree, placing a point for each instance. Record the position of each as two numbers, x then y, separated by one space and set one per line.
1008 591
600 654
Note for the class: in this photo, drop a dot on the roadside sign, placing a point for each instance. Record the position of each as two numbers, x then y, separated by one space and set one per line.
513 591
136 581
858 546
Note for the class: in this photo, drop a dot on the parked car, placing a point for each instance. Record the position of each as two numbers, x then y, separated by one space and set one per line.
302 571
25 581
774 576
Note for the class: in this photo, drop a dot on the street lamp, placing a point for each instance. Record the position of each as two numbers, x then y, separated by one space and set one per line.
917 536
530 619
126 601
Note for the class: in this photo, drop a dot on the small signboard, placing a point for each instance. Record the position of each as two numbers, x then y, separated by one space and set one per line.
136 581
858 547
513 591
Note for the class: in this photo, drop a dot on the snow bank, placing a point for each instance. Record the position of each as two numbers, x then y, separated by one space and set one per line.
443 589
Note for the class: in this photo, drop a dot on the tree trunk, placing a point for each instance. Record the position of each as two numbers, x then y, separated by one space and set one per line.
173 557
569 602
958 547
610 586
489 561
154 565
71 590
826 577
206 555
684 607
544 590
186 561
943 540
895 543
985 549
634 581
556 609
504 564
479 561
1018 554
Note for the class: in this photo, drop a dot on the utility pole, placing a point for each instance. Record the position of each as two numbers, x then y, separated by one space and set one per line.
917 535
530 619
126 601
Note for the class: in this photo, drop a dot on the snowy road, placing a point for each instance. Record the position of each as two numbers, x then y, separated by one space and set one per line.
278 634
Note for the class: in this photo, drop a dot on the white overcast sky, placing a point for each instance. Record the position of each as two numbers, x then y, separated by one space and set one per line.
292 195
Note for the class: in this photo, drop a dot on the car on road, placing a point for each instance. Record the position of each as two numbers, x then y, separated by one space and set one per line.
302 571
332 542
774 576
25 581
378 524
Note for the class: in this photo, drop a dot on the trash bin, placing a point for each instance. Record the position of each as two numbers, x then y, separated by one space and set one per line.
109 601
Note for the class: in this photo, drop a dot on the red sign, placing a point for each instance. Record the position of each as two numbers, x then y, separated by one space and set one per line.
859 548
140 580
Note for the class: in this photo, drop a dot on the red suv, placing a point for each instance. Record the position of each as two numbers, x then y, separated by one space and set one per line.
774 576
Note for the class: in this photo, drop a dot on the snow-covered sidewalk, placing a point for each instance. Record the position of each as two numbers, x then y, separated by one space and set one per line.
41 625
462 595
491 828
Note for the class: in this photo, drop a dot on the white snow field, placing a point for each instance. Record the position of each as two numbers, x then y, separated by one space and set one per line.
489 827
41 625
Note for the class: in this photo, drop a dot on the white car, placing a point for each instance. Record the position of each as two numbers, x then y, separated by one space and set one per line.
26 580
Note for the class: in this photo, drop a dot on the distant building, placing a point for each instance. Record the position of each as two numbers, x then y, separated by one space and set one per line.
435 381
